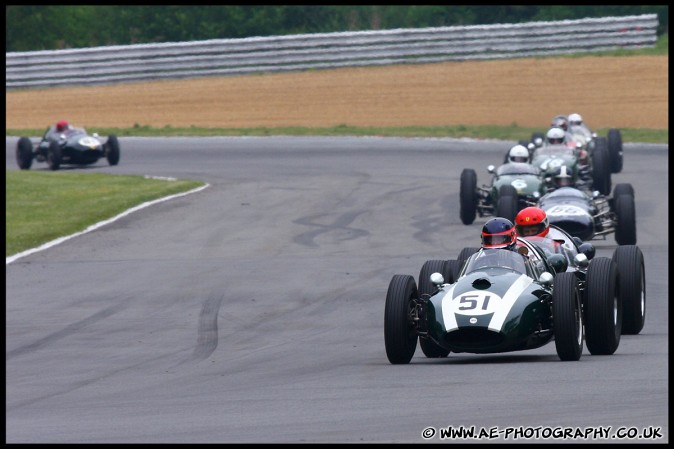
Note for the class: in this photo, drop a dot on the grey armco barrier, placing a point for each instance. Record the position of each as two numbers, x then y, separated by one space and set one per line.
218 57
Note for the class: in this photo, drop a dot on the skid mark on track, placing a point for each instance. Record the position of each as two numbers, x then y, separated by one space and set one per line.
339 225
65 332
207 333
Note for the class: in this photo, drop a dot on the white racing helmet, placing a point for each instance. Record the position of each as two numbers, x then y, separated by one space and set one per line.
555 136
575 119
518 153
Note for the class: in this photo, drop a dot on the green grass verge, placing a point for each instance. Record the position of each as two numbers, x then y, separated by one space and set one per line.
511 132
40 207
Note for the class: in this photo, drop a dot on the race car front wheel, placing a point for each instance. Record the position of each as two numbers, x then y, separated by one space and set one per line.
603 307
24 153
400 335
632 287
112 150
567 315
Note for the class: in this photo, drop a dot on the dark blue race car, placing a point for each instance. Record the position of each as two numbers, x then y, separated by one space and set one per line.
69 146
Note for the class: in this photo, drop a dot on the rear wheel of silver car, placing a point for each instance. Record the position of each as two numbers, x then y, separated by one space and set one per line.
24 153
468 196
568 317
603 308
632 287
400 335
54 156
615 149
626 227
508 203
112 150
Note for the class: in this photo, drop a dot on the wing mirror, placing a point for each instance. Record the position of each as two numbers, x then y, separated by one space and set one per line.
546 279
437 279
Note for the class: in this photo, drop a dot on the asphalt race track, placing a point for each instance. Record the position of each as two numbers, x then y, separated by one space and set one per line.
253 311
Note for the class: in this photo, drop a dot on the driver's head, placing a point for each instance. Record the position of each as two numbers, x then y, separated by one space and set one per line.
532 221
499 232
62 125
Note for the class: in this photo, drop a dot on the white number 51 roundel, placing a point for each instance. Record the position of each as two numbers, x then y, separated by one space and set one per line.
475 302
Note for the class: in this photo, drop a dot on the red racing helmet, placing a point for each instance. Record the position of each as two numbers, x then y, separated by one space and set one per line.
62 125
532 221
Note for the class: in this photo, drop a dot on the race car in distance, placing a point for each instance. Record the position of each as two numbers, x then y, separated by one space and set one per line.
548 158
69 146
514 185
590 215
613 140
503 301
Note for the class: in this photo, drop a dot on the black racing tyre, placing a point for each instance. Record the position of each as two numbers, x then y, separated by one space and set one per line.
615 149
430 267
454 267
466 253
626 226
428 347
54 156
508 203
468 196
24 153
603 308
567 314
400 336
632 287
601 168
112 150
623 187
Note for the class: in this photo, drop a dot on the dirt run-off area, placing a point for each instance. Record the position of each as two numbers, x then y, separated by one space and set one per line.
620 92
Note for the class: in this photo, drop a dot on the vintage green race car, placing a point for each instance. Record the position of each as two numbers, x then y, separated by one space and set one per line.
514 186
595 167
503 301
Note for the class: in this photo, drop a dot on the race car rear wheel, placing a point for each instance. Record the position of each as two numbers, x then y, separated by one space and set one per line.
615 149
112 150
54 156
626 226
623 187
425 285
632 287
468 196
465 254
430 348
454 268
603 308
400 336
24 153
508 203
567 316
601 167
